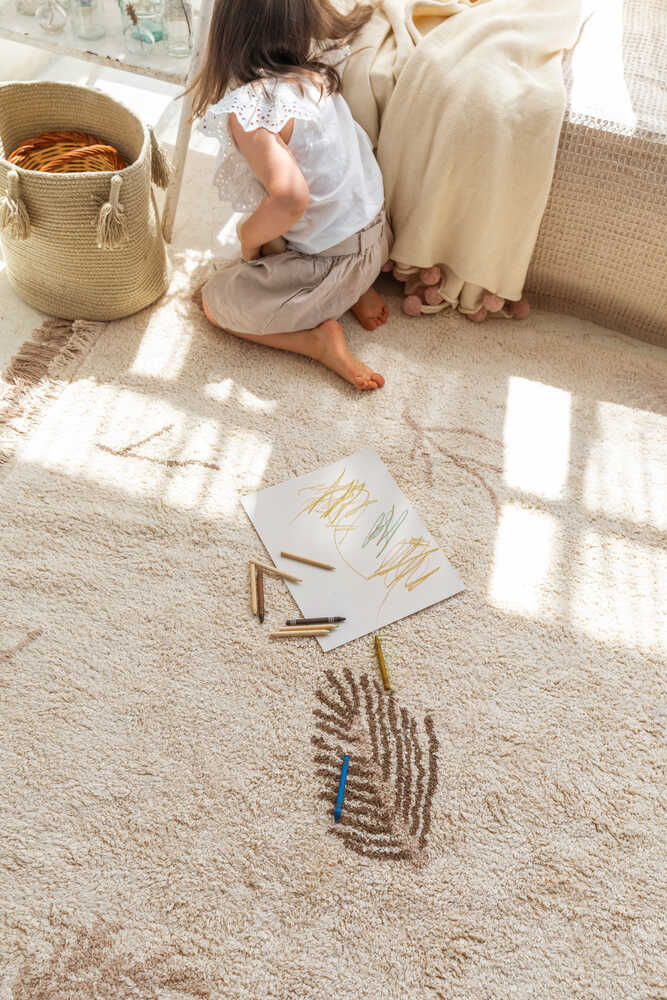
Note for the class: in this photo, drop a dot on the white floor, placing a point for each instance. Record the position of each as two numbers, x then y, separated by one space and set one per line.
203 224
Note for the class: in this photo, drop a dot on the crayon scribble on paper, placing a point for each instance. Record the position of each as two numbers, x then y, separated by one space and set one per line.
403 561
384 529
337 504
340 504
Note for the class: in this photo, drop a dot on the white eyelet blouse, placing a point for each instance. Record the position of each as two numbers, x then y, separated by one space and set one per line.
333 153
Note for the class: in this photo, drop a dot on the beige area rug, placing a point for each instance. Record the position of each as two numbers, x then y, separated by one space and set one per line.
168 773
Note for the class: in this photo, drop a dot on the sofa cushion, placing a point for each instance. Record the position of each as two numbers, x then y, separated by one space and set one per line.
601 250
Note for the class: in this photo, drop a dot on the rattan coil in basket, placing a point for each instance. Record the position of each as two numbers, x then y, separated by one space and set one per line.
64 151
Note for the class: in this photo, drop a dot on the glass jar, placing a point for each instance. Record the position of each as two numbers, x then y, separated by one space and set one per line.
87 18
52 16
143 25
178 22
28 7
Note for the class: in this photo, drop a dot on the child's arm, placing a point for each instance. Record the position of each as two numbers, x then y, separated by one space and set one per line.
287 193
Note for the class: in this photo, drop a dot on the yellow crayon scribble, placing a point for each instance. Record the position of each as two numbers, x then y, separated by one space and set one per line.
402 562
338 504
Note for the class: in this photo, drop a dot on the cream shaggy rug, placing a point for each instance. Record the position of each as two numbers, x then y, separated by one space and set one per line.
168 773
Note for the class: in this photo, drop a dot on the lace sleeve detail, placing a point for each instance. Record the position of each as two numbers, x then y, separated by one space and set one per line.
270 106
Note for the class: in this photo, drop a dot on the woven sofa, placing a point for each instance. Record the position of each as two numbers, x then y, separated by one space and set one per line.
601 252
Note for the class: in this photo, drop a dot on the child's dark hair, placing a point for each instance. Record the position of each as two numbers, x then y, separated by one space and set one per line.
253 39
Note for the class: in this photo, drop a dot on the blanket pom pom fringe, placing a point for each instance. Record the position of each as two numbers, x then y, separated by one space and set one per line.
425 293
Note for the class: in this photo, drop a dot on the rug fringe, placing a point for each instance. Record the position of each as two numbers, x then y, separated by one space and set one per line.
37 374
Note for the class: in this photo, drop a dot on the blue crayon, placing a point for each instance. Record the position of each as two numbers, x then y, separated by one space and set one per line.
341 787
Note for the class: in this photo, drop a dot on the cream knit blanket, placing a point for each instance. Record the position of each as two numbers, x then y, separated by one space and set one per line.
464 101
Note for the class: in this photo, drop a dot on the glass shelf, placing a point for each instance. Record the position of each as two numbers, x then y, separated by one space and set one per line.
106 51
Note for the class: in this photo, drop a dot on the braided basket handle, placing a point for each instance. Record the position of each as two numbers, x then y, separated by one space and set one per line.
14 218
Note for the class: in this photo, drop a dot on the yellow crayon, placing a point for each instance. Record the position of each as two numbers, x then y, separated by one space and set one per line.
383 665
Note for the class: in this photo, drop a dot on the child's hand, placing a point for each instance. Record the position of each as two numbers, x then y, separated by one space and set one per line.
248 252
273 247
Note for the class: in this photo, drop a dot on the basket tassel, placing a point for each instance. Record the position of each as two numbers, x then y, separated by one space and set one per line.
14 218
160 165
112 222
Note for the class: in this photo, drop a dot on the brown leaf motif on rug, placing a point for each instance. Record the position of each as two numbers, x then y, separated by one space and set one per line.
391 778
433 439
90 962
6 655
131 451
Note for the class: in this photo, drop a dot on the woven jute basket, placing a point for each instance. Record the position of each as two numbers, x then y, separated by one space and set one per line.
84 245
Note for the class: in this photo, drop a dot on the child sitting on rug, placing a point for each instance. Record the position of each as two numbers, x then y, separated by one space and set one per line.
292 154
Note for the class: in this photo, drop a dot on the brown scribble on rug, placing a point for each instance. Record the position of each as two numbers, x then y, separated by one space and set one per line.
130 451
428 439
391 781
89 963
8 654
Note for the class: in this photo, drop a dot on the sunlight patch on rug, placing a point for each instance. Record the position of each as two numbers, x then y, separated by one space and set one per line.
160 356
524 551
537 437
250 401
219 391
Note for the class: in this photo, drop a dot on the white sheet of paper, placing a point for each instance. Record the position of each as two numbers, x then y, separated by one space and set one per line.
352 515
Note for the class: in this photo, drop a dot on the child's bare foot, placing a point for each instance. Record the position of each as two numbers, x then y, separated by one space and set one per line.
370 310
334 353
326 344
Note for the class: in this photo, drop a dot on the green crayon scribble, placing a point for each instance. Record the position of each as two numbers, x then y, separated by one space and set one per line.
384 529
